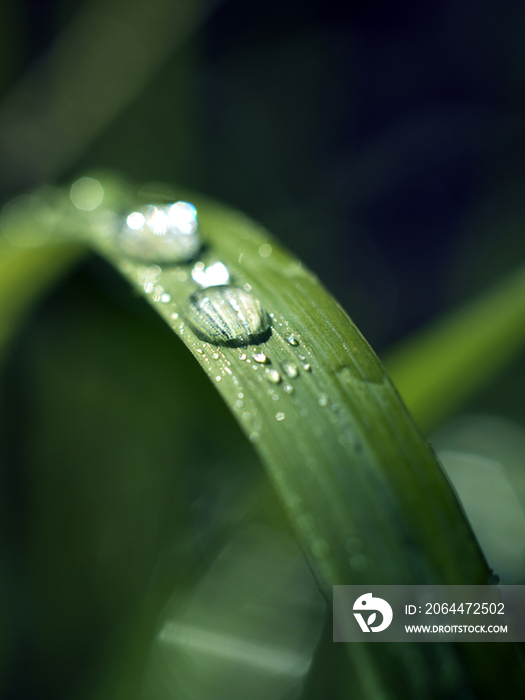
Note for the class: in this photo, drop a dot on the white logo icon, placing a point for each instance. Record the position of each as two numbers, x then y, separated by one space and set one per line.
368 602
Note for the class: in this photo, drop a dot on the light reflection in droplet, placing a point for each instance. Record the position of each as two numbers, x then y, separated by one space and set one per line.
273 376
136 220
211 276
161 233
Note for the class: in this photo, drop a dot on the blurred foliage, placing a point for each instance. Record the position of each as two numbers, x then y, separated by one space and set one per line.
384 143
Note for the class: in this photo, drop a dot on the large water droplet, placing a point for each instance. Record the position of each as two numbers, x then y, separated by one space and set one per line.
227 316
161 234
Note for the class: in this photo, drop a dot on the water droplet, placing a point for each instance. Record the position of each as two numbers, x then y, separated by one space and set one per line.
239 403
323 400
247 287
218 378
275 397
288 388
199 351
290 370
211 276
272 375
163 233
279 416
265 250
246 415
292 340
227 316
260 357
215 355
240 395
165 298
306 366
254 437
175 315
242 356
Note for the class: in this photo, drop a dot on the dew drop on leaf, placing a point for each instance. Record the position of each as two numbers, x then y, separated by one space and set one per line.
290 369
260 357
272 375
227 315
161 234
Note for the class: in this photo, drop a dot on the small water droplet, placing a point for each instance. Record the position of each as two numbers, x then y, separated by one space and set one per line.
272 375
215 355
242 356
227 316
265 250
199 351
218 378
211 276
306 366
260 357
323 400
275 397
240 395
288 388
175 315
292 340
247 287
254 437
163 233
280 416
290 369
246 415
239 403
165 298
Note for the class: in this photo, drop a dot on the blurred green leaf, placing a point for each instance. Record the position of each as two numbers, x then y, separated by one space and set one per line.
441 366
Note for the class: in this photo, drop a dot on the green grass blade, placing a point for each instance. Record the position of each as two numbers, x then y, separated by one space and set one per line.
361 486
440 367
